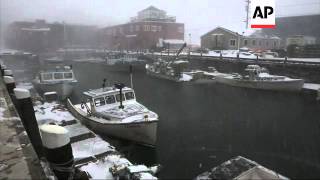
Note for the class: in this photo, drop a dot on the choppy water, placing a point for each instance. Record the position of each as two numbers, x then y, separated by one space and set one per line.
203 125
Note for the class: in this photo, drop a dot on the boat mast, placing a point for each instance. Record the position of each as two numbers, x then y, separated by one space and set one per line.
120 86
131 71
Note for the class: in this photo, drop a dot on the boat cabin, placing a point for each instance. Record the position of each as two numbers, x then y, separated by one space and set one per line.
64 74
109 96
259 73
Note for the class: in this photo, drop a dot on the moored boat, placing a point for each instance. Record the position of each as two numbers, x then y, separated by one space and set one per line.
171 70
60 80
259 78
114 111
204 77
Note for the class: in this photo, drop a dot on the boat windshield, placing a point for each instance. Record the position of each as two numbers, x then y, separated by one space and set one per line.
118 97
58 75
110 99
68 75
129 95
47 76
99 101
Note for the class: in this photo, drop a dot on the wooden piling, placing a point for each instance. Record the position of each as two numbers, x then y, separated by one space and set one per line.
25 107
10 84
7 72
58 150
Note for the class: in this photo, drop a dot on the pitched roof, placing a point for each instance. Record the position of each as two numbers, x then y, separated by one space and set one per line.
224 29
151 8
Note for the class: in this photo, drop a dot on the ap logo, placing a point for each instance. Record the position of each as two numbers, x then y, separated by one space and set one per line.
262 14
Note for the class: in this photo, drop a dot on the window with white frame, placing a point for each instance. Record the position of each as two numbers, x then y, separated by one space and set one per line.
245 42
154 28
146 27
232 42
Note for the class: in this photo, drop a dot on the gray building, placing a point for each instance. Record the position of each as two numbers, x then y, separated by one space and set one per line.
221 38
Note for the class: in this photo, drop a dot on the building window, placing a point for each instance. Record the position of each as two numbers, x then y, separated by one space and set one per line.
180 29
274 44
159 28
131 28
232 42
260 43
245 42
146 27
253 42
137 28
154 28
267 43
120 30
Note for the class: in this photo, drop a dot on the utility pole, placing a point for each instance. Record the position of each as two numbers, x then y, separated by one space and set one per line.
247 10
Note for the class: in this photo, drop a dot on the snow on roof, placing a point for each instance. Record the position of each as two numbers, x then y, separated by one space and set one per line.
104 91
36 29
224 29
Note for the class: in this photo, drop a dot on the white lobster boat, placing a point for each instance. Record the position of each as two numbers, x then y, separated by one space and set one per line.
115 112
60 80
259 78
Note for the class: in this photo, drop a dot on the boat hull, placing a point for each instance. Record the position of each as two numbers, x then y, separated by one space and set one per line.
63 89
140 132
285 85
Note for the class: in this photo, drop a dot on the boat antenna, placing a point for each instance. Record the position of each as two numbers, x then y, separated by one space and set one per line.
104 84
120 86
131 74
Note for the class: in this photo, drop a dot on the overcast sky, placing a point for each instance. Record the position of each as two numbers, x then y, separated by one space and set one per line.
199 16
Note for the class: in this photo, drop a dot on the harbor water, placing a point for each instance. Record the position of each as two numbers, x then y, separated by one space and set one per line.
203 125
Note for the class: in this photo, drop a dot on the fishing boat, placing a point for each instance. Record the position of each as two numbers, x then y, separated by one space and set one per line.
120 61
114 111
59 79
259 78
204 77
169 69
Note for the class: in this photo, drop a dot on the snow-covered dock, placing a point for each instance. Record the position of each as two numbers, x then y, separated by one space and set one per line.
91 153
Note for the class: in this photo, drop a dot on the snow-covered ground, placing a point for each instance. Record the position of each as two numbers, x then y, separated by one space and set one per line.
243 55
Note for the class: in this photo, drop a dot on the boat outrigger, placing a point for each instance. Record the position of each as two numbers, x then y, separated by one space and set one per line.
259 78
59 79
114 111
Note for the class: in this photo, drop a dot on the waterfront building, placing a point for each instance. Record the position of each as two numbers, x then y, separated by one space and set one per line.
224 39
143 31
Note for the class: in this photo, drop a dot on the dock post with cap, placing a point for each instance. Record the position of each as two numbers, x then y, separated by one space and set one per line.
58 150
25 107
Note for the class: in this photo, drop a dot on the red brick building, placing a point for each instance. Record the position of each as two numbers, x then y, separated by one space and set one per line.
143 31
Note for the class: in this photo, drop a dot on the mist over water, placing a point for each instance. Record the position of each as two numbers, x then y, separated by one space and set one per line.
203 125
